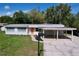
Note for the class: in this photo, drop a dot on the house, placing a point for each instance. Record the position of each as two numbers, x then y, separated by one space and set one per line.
31 29
27 29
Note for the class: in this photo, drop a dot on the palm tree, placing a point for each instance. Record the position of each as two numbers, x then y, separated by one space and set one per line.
18 17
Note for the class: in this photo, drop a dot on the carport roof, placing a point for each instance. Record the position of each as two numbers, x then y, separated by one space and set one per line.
58 28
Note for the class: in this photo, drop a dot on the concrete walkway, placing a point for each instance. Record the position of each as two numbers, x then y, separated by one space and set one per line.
61 47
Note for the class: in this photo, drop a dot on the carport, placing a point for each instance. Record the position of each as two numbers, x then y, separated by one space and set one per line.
57 29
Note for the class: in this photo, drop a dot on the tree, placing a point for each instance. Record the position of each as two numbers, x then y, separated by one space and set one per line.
6 19
64 13
76 21
58 14
50 15
18 17
27 19
36 17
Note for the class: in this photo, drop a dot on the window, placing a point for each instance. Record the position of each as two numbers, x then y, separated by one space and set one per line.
10 29
22 29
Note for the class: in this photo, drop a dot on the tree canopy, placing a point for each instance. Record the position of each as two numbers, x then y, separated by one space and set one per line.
60 14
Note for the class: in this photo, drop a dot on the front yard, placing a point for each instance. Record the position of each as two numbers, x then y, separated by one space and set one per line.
13 45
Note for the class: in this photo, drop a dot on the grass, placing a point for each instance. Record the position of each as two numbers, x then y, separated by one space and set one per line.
13 45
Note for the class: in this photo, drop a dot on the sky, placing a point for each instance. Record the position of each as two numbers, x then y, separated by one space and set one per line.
10 8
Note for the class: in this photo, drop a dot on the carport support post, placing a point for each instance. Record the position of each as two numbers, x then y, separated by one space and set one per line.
66 32
57 34
72 35
43 33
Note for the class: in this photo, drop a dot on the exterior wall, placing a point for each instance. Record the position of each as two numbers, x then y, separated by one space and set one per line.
32 31
16 31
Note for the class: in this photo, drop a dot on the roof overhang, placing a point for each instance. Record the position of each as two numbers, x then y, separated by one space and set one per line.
35 25
57 28
45 25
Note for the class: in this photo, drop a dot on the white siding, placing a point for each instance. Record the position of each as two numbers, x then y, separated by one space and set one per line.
16 31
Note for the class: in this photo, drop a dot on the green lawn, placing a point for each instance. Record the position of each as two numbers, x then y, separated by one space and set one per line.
13 45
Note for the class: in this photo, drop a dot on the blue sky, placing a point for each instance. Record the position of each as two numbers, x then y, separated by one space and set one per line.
10 8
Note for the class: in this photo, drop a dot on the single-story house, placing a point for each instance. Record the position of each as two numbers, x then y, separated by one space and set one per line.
27 29
31 29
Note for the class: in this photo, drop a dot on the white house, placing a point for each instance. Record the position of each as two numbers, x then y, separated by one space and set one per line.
31 29
27 29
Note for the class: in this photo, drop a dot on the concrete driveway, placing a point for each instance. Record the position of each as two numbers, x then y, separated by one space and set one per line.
61 47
